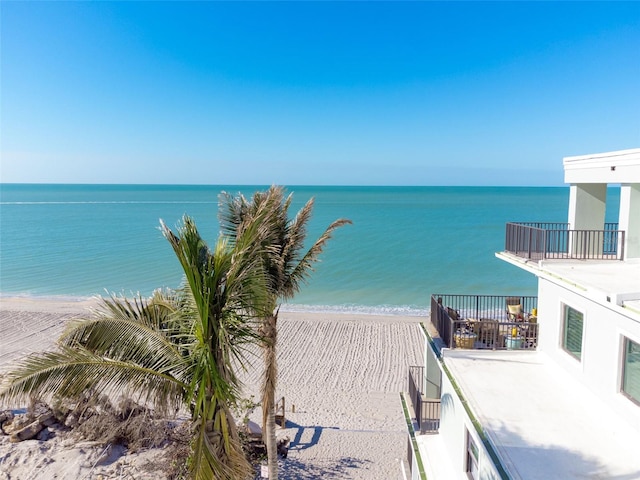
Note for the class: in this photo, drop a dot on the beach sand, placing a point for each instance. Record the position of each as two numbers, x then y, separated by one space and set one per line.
341 373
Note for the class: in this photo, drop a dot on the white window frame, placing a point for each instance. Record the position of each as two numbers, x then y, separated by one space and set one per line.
623 353
471 460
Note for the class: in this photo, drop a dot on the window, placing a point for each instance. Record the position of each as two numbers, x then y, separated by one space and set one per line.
631 370
472 457
572 331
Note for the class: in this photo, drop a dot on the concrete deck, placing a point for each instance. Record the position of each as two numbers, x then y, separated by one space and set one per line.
536 417
617 280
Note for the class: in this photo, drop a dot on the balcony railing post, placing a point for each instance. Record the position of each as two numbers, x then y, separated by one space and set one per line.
494 339
418 409
506 237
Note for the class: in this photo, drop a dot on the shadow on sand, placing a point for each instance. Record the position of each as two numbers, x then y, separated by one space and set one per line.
313 469
292 469
296 442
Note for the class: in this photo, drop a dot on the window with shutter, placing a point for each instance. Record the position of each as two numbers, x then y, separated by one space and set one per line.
572 331
472 458
631 370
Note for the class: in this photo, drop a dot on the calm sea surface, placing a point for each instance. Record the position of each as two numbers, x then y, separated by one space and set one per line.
405 242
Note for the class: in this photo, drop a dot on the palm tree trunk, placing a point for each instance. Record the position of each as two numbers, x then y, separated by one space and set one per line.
268 394
217 450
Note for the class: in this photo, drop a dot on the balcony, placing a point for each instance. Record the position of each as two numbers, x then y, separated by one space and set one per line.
426 410
486 321
541 241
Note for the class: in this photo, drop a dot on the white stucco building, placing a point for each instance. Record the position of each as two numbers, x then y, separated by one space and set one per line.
564 401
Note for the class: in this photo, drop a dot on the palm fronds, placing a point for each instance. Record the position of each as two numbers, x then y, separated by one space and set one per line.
228 289
72 370
286 265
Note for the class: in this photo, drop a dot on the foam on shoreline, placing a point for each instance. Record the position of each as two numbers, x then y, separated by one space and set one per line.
63 303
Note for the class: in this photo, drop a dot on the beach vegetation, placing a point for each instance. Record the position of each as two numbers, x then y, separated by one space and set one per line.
177 349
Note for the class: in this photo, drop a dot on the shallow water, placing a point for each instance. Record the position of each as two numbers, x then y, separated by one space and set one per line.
405 242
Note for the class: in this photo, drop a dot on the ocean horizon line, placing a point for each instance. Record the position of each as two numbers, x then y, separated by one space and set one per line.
265 185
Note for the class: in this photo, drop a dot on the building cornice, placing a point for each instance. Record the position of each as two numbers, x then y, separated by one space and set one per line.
622 166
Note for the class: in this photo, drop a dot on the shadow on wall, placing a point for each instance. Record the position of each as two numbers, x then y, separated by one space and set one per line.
549 459
545 460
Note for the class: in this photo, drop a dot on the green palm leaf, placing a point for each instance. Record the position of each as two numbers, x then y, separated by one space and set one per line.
71 371
286 264
178 347
228 290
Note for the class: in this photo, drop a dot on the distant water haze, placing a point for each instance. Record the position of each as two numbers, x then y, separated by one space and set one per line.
405 242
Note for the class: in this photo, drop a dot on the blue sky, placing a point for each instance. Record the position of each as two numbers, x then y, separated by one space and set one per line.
359 93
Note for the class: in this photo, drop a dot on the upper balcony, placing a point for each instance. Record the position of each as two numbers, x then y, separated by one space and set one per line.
542 241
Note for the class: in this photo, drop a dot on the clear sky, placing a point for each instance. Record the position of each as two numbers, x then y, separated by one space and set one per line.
359 93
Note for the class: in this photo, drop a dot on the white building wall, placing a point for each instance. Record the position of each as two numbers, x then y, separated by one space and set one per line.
589 176
452 424
629 218
415 468
455 425
604 327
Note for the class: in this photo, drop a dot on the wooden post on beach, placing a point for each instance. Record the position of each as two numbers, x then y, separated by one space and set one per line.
281 417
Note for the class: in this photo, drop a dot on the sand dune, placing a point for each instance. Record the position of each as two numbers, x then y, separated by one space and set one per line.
341 373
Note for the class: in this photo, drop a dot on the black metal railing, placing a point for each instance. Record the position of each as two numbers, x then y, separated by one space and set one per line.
538 241
427 410
485 322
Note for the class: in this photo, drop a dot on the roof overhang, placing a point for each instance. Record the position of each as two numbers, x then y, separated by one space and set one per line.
622 166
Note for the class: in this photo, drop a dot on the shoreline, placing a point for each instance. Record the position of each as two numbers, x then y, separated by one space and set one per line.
80 304
25 303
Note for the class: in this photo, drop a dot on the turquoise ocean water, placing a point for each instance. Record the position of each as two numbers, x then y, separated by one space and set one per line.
405 242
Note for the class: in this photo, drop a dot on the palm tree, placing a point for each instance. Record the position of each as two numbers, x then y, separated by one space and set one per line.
287 265
177 348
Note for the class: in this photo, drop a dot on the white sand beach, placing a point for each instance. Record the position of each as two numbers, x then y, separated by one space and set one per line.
342 374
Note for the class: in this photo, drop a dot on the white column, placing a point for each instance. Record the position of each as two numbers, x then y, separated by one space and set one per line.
587 206
629 219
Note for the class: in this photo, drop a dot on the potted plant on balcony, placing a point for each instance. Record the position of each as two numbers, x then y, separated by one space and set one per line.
465 337
514 340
